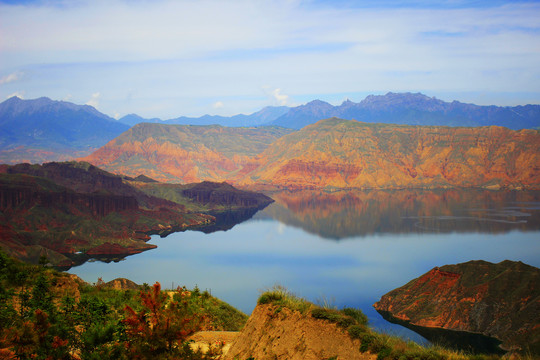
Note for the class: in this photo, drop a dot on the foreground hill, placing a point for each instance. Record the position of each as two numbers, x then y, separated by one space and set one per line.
337 153
498 300
43 130
70 212
183 153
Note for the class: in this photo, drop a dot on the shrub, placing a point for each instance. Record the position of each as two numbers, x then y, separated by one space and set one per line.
384 353
356 314
326 314
357 331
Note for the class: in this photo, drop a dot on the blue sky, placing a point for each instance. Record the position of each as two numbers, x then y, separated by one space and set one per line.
170 58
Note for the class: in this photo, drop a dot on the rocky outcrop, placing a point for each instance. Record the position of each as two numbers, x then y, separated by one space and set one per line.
76 210
280 333
501 301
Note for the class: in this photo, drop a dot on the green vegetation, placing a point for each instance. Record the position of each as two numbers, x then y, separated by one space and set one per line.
282 297
45 314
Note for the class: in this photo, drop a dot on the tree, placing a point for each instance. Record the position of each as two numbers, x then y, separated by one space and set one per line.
161 328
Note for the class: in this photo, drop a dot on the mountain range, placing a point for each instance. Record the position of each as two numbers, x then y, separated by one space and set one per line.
41 130
392 108
184 153
330 154
261 117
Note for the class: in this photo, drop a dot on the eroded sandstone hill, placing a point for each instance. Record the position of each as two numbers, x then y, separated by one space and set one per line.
333 153
497 300
184 153
350 154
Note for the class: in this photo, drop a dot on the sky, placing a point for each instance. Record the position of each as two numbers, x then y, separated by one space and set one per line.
165 58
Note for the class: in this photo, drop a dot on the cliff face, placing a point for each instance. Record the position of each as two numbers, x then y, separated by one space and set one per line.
93 204
39 217
497 300
350 154
286 334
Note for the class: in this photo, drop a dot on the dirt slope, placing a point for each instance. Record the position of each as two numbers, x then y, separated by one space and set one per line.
274 333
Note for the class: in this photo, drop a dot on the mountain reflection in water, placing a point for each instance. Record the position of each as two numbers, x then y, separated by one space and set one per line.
343 214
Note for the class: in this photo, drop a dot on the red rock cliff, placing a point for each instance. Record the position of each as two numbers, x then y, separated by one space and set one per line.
498 300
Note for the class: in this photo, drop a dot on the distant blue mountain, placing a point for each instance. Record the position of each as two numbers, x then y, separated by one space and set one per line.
413 109
41 129
392 108
261 117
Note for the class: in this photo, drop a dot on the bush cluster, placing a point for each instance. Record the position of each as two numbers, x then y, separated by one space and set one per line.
38 323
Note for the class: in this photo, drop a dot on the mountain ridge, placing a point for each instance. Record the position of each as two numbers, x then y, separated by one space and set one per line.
414 109
43 129
338 153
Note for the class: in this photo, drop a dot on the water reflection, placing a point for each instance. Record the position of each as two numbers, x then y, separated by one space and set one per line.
338 215
225 220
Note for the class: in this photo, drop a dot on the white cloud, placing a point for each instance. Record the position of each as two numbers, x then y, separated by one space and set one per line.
11 78
218 105
280 98
19 94
94 100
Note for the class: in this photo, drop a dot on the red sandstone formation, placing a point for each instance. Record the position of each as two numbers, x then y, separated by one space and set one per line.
497 300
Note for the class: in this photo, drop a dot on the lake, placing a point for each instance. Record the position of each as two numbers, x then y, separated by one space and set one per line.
340 248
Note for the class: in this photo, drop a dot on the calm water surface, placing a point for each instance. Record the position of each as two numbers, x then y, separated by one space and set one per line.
345 248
